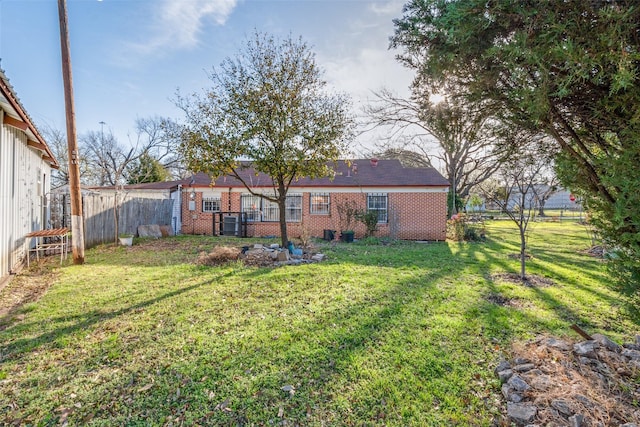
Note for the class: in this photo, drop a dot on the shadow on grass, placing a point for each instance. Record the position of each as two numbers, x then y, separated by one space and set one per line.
344 333
413 333
80 322
545 296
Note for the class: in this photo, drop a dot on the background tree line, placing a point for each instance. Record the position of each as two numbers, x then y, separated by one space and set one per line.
151 155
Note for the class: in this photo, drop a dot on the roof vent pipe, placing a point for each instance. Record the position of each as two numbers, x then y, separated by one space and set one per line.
374 162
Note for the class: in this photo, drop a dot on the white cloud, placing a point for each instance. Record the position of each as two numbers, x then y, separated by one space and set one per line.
178 24
391 7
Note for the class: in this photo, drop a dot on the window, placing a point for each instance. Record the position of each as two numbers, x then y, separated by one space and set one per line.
377 202
320 204
211 204
270 211
251 205
294 207
259 209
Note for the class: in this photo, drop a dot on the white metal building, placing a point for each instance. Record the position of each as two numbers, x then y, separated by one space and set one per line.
25 173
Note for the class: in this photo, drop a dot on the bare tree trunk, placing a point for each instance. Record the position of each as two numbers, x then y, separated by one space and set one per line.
523 247
116 217
282 206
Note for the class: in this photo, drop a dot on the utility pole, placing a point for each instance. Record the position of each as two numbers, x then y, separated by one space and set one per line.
77 226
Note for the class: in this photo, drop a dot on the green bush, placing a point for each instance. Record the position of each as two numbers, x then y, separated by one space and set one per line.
460 228
370 221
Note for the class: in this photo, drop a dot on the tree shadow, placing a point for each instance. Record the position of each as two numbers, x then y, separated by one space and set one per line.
79 322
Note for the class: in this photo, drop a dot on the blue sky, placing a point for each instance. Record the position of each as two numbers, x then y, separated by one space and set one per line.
129 56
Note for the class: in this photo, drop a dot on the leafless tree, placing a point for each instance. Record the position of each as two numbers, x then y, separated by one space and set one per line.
454 134
513 188
110 161
57 141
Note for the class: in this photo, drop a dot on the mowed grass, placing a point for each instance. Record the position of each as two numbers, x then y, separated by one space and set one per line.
403 334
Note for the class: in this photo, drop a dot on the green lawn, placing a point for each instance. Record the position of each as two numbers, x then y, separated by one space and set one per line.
404 334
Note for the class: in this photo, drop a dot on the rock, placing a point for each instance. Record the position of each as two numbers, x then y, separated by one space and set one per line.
505 375
166 231
515 398
631 354
152 230
586 348
542 382
506 391
521 361
521 413
561 406
503 365
318 257
632 346
584 400
638 339
557 344
283 255
606 342
510 394
518 383
629 425
524 367
576 420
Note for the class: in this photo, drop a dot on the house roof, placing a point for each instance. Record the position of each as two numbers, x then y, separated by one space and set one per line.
358 173
162 185
16 116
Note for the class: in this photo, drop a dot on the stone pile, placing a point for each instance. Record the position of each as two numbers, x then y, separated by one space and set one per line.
261 255
588 383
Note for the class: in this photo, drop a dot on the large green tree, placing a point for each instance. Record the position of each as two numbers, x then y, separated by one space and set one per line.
270 105
567 68
147 169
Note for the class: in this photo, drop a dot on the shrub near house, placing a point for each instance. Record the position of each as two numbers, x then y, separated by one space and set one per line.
410 202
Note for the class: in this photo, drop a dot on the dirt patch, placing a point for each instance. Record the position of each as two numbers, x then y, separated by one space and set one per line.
504 301
591 383
531 280
26 287
517 256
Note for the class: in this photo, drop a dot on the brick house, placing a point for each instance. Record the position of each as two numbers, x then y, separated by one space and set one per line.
411 202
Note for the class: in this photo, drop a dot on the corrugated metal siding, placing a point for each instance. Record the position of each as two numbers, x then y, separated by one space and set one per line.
21 209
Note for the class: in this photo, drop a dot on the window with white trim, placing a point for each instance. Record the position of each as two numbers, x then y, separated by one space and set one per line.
251 205
377 202
211 204
293 205
320 204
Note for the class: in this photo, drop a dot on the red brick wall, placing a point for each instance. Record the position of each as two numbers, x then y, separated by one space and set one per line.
412 216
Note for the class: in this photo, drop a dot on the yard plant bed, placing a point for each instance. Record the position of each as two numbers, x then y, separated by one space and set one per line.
396 334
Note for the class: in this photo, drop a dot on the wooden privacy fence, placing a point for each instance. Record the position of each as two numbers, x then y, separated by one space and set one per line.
99 224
